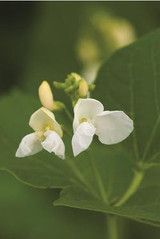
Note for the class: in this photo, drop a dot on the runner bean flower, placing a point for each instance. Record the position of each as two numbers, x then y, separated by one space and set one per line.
111 127
47 135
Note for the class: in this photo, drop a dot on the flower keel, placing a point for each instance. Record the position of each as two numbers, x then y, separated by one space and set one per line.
82 137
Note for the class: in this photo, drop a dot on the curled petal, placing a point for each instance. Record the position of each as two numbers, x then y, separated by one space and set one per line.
113 126
54 143
30 144
82 137
42 119
86 109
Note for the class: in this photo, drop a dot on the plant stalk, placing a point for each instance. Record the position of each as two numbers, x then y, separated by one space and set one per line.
137 179
112 227
68 114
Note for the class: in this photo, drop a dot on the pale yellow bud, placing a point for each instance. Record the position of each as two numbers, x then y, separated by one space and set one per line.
46 96
83 88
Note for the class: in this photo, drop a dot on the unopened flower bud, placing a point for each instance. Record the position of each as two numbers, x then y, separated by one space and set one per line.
92 87
76 76
46 96
83 89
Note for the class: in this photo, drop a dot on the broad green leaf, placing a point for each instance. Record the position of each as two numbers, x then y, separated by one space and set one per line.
129 81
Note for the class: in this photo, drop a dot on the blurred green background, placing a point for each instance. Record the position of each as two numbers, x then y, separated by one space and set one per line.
48 40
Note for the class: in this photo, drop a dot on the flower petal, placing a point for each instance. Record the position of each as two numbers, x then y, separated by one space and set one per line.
82 137
29 145
113 126
86 109
54 143
42 119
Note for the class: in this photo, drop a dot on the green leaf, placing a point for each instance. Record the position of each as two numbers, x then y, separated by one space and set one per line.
98 178
129 81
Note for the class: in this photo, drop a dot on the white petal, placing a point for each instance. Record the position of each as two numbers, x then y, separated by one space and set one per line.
86 109
113 126
43 118
82 137
54 143
30 144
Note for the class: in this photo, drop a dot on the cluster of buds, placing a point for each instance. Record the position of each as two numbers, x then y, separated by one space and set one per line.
75 87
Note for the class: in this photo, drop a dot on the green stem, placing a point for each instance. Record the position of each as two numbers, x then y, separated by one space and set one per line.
112 227
67 131
150 165
68 113
137 179
99 181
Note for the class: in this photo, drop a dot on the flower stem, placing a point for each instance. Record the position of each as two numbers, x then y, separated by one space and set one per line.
67 131
112 227
68 113
137 179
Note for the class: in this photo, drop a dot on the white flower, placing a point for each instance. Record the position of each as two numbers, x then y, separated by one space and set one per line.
47 135
111 127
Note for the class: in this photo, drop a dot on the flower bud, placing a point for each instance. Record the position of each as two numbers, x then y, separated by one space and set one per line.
83 88
46 96
76 76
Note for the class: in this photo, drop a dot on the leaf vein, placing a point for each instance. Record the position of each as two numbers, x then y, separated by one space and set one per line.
135 144
155 80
